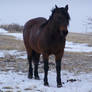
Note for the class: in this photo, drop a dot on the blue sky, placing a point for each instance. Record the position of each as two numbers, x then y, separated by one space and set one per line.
19 11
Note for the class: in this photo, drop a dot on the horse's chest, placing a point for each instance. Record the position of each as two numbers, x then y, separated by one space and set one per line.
55 47
56 42
53 51
51 44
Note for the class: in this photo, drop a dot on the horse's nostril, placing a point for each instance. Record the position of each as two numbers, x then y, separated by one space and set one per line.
65 32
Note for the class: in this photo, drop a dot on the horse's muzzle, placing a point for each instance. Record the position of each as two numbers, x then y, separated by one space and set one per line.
64 32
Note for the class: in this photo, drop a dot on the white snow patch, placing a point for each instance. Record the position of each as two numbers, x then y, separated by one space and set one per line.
5 52
24 56
2 31
18 36
18 81
15 53
77 47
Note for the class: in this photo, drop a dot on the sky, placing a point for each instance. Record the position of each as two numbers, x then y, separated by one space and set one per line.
20 11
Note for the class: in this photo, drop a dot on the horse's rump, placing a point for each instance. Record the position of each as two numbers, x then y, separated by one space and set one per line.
31 32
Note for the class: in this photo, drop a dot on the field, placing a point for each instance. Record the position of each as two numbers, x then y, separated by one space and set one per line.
14 65
76 73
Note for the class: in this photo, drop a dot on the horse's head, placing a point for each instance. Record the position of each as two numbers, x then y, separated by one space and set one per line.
61 17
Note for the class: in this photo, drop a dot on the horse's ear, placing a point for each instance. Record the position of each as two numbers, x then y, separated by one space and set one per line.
56 6
66 7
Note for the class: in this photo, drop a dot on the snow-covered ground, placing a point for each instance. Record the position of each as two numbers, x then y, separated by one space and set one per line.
20 11
18 36
77 47
18 81
70 46
15 53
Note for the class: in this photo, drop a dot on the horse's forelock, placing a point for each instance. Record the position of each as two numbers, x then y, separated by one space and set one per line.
61 10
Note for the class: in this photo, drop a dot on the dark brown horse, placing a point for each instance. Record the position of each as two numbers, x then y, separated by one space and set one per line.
46 37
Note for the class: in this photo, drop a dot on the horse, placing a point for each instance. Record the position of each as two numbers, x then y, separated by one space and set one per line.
46 37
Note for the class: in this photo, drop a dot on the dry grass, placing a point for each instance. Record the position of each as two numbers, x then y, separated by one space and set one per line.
72 61
10 43
78 62
80 38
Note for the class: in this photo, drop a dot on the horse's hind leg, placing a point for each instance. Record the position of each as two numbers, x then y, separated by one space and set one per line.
30 73
35 57
29 57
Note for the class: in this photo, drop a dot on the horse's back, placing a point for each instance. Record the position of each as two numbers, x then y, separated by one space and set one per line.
34 21
31 32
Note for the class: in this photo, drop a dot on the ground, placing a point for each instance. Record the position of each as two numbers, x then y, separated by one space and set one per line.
16 64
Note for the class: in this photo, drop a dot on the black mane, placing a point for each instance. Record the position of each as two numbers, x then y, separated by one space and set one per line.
57 10
62 11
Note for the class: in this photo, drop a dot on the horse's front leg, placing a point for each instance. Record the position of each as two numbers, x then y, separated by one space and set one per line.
58 70
46 68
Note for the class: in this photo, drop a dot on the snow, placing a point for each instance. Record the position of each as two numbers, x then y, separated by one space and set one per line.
77 47
4 52
16 53
18 36
20 11
2 31
18 81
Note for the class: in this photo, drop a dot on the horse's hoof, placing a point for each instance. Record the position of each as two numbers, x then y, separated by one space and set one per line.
46 84
37 77
30 77
59 85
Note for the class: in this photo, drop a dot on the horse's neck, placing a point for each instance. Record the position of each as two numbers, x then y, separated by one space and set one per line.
51 29
52 25
50 35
